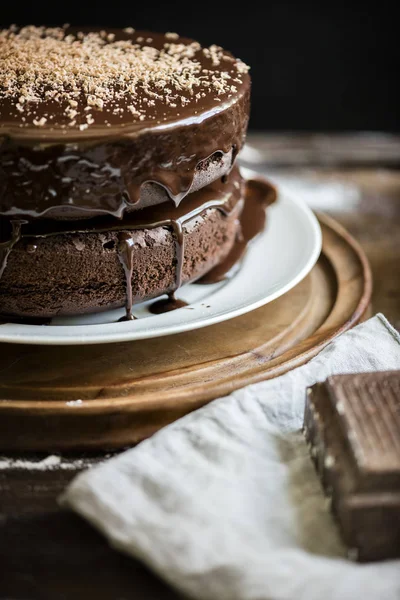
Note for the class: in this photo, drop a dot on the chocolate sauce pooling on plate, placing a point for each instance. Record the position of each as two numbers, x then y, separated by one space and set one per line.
258 196
164 305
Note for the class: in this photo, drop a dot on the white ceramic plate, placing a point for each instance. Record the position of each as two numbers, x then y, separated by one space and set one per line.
274 263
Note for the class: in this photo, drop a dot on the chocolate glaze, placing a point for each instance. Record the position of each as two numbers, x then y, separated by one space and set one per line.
45 171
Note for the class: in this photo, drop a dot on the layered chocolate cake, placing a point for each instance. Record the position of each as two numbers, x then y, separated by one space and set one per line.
117 176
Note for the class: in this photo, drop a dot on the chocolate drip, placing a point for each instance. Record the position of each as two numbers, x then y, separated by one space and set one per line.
214 195
6 247
180 249
125 255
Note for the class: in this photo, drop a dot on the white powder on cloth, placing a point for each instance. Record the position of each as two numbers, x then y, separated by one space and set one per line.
50 463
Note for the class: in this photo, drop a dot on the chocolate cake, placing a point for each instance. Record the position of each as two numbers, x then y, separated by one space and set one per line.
117 177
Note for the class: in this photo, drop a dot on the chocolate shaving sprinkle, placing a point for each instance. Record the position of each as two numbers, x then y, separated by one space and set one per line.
94 70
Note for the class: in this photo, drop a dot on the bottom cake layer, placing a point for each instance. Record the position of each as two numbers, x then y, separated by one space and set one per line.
54 268
79 273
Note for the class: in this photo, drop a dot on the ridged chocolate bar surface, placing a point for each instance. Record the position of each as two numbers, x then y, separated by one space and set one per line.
352 423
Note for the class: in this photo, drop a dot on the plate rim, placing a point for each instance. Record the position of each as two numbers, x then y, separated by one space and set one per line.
129 335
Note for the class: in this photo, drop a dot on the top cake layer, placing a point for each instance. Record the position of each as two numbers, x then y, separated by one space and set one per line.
68 83
95 122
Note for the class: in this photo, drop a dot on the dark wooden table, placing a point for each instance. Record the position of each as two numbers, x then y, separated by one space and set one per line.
46 554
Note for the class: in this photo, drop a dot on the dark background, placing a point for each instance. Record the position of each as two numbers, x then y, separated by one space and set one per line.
315 66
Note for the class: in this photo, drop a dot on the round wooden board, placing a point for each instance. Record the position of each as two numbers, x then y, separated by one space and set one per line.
128 391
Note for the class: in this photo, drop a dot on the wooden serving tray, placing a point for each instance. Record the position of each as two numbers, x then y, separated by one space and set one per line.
127 391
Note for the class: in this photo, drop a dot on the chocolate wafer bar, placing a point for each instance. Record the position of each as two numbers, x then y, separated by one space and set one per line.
352 424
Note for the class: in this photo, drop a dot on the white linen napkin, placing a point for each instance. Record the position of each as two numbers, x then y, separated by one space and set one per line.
225 503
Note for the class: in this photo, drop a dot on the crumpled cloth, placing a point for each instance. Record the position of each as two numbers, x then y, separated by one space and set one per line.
225 503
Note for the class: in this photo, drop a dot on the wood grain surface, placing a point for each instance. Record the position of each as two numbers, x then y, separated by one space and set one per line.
46 554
